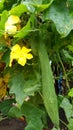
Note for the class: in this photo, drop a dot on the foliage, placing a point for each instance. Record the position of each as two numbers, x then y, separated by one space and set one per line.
33 115
34 33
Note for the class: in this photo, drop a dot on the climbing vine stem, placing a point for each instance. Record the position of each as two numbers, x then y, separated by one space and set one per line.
64 71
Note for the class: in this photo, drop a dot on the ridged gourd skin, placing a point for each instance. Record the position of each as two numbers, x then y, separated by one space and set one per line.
48 89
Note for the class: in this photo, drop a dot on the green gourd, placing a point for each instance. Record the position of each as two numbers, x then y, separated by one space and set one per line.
48 89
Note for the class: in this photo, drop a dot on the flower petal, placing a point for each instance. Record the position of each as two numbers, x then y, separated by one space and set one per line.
22 61
11 29
10 64
25 50
16 48
13 19
29 56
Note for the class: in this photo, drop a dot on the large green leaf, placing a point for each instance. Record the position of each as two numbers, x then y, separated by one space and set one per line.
17 87
18 10
33 116
59 13
67 106
6 105
14 112
4 17
1 4
23 88
70 125
39 6
48 90
31 86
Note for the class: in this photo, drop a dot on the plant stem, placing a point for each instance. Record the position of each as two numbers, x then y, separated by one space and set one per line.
63 122
67 84
70 71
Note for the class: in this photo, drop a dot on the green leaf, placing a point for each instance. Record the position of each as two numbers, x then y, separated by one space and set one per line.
70 125
70 5
70 94
14 112
4 17
70 47
6 57
60 98
60 15
23 84
2 118
2 47
25 30
68 55
41 7
32 125
31 86
6 105
18 10
33 116
46 1
17 87
34 1
54 129
48 90
67 108
38 5
1 4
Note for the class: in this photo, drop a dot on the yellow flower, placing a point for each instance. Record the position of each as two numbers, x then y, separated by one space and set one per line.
10 26
11 29
16 49
20 54
13 19
24 55
15 53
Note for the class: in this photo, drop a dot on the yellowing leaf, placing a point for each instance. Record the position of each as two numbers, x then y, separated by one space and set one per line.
6 78
3 88
3 85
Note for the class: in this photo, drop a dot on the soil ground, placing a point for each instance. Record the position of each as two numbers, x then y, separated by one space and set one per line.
12 124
